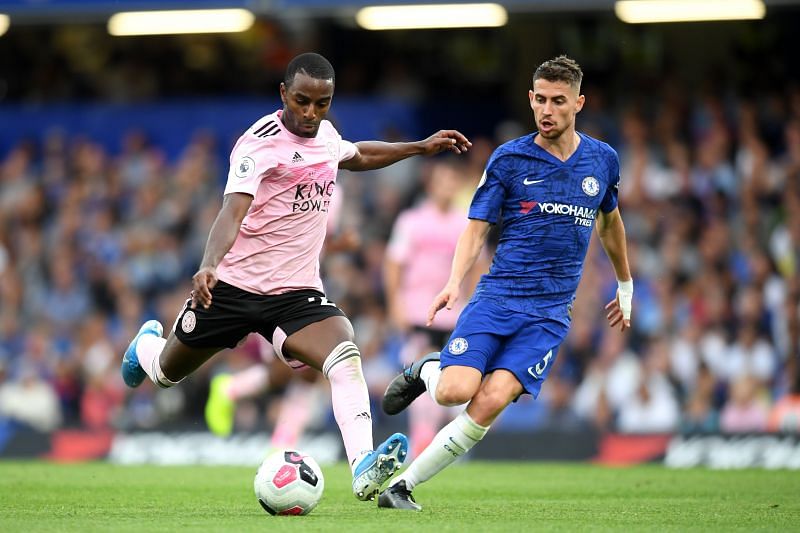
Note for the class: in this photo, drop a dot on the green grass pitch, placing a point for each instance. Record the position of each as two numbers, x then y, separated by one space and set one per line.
472 496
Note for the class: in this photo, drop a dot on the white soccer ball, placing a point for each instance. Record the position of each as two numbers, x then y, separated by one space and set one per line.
289 482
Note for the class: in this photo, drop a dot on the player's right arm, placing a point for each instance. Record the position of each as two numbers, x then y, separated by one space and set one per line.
470 244
222 236
251 159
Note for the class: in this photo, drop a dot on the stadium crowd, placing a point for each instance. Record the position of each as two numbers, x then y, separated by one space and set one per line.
92 241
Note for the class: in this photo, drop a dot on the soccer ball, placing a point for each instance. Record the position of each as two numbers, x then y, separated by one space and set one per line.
289 482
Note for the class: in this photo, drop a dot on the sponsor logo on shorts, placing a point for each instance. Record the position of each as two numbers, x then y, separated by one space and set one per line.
189 322
458 346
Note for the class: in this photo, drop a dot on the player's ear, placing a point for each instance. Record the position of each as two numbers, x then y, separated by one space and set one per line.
579 103
283 93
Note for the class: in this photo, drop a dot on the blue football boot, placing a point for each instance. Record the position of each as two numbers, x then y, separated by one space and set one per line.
378 466
132 372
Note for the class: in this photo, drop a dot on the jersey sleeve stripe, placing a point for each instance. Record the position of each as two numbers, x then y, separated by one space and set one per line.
272 130
271 122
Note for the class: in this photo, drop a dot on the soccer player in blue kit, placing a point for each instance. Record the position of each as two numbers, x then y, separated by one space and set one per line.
548 189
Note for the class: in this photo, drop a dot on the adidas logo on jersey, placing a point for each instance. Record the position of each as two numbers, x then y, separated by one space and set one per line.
296 158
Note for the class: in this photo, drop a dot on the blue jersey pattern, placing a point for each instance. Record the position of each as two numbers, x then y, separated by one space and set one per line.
547 208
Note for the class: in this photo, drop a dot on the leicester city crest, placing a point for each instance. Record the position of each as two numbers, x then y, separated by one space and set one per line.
189 322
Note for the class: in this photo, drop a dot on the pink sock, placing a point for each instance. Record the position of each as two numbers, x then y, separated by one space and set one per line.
248 382
296 409
148 348
350 400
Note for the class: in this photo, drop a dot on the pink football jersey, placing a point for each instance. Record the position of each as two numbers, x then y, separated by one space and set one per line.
424 241
291 180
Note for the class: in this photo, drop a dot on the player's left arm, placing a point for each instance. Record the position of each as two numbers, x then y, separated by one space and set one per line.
611 231
370 155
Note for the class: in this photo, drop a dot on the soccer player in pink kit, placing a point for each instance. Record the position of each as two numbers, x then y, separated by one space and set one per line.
416 266
260 268
302 395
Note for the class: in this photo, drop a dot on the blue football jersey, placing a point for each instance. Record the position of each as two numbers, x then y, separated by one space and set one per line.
548 209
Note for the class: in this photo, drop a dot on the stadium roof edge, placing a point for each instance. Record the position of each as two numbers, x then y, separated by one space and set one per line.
70 11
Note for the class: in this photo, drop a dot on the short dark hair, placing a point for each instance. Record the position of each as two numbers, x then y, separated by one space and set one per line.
312 64
561 68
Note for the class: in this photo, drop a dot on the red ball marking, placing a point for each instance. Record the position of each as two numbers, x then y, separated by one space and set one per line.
284 476
293 511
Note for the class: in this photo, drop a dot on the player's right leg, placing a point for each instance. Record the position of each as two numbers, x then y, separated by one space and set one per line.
425 416
196 336
150 333
408 386
165 361
453 375
327 345
449 387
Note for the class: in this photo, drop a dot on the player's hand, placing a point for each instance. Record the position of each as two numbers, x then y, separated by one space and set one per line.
446 298
619 310
202 283
442 140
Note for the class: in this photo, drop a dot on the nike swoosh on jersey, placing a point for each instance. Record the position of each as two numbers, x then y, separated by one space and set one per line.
531 182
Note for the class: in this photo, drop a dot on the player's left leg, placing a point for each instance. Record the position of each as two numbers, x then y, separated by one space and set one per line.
327 345
498 390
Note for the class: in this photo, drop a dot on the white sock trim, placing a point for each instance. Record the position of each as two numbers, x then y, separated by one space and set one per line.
158 376
470 428
343 351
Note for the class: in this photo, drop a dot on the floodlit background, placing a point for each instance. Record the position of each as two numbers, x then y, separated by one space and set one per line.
113 155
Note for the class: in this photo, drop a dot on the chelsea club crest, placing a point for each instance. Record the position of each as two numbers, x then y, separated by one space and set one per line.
458 346
590 185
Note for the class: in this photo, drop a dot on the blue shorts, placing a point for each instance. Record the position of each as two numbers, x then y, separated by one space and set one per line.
489 336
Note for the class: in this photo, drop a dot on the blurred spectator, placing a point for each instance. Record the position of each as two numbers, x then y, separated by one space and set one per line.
700 414
785 414
745 411
653 406
610 380
30 400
